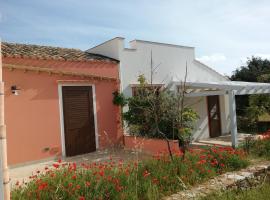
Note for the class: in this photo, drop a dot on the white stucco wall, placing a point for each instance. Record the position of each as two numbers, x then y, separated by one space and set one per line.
199 104
172 60
224 114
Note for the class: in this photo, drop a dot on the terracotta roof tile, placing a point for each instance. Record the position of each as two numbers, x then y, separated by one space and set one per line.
48 52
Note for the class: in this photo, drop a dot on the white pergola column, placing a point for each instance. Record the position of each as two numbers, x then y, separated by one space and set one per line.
233 123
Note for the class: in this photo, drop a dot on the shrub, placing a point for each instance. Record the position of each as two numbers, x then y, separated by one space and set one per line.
149 179
261 147
158 113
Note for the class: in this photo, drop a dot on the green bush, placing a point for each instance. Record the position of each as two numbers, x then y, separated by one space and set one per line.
155 112
261 147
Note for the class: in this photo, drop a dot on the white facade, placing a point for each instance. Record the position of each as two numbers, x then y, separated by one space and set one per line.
171 61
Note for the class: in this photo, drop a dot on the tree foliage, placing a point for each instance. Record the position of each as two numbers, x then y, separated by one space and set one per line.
256 68
250 107
157 113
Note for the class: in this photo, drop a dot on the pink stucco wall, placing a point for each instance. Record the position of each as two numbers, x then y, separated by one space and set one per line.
33 117
150 145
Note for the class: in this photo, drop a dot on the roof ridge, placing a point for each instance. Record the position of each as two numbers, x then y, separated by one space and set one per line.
39 45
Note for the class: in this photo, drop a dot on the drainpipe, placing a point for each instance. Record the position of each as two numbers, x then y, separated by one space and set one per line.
4 175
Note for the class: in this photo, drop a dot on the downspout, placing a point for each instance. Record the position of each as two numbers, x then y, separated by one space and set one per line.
4 175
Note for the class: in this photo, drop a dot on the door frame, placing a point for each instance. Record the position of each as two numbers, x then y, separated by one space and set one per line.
208 116
61 109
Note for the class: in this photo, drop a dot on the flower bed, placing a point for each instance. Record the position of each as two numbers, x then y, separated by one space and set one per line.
261 146
149 145
149 179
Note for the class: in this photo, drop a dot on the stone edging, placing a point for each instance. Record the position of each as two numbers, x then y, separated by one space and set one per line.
243 179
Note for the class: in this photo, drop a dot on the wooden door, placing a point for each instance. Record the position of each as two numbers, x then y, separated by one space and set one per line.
214 116
79 122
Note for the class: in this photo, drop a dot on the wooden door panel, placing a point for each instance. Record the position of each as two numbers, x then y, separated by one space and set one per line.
78 120
214 116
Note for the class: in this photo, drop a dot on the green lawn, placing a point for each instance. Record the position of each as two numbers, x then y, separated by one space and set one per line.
259 193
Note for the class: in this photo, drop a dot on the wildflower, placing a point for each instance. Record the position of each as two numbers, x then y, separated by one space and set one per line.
55 165
201 162
155 181
101 173
42 186
146 173
87 183
81 198
118 188
74 177
202 157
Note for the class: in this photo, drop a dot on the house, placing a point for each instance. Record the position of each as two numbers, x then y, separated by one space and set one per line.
58 102
209 93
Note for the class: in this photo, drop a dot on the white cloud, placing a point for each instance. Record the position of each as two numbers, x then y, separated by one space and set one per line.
216 57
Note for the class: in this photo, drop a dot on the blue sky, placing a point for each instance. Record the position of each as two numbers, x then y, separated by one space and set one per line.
224 33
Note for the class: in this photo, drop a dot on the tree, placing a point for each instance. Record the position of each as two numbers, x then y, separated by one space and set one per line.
252 72
159 113
250 107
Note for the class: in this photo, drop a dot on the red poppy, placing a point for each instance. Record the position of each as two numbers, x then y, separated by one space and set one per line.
74 177
81 198
146 173
155 181
201 162
74 165
55 165
42 186
87 183
119 188
101 173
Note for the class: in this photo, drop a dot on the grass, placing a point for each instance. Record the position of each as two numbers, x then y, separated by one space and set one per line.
260 193
148 180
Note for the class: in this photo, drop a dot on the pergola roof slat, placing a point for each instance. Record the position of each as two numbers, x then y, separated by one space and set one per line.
239 88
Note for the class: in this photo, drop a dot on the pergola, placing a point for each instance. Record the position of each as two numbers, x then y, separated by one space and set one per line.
230 88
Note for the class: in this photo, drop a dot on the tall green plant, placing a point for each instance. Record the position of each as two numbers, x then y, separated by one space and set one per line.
157 113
